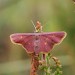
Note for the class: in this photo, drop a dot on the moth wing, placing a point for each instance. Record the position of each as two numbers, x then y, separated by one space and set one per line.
26 40
45 43
56 37
48 40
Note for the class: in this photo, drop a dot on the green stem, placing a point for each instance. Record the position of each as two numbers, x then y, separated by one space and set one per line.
48 70
46 65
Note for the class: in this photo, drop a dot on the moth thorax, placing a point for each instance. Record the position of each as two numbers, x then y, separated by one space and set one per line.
36 37
36 43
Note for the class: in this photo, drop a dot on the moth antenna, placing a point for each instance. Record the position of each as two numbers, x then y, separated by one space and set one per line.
33 24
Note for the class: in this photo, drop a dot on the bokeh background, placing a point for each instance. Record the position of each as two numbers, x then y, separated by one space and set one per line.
16 16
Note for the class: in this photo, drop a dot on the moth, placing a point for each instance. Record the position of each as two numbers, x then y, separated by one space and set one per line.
38 41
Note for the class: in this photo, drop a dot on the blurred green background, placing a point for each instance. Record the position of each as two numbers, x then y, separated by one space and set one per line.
16 16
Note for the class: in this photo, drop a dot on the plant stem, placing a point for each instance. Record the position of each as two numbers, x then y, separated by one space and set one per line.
34 65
